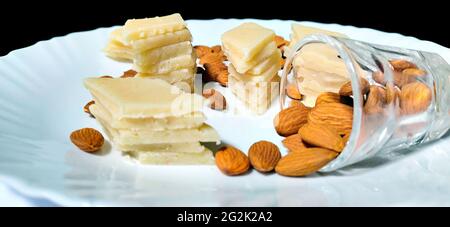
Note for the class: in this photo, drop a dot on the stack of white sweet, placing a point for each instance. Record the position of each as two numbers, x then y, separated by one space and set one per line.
151 120
159 47
255 62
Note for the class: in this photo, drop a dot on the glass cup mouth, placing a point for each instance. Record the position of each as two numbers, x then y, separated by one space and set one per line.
345 53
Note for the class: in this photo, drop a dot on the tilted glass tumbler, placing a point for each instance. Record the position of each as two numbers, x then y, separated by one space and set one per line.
401 97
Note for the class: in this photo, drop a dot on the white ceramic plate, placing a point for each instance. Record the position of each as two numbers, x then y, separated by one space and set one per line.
41 99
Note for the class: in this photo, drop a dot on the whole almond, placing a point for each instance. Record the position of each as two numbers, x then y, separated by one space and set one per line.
407 76
321 136
400 64
264 156
129 73
222 78
232 161
293 143
201 50
346 89
336 115
328 97
415 98
376 99
216 100
87 139
293 92
304 162
86 108
378 77
391 93
288 121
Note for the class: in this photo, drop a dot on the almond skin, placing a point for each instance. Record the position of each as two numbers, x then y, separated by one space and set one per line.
264 156
87 139
336 115
391 94
328 97
294 143
86 108
201 50
304 162
376 100
415 98
129 73
346 89
288 121
321 136
232 161
293 92
400 64
407 76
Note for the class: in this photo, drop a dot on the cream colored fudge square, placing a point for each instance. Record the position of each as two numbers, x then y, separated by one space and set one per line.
136 29
300 31
265 76
204 133
154 56
174 158
161 40
262 67
142 97
254 91
172 64
243 66
172 77
194 147
192 120
247 40
256 96
116 49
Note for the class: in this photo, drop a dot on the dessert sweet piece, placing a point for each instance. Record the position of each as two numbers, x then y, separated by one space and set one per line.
319 67
159 47
151 120
255 62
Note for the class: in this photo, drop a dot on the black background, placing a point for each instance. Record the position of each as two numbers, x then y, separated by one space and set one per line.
24 23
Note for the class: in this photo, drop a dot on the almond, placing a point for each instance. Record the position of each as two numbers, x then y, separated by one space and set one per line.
232 161
216 99
293 143
288 121
109 77
87 139
264 156
336 115
304 162
391 93
216 49
321 136
86 108
407 76
400 64
129 73
222 78
328 97
280 41
378 77
201 50
295 102
376 100
292 92
415 98
212 58
346 89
